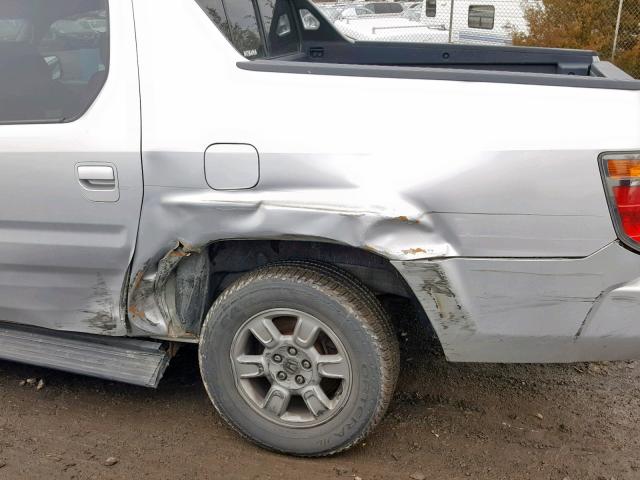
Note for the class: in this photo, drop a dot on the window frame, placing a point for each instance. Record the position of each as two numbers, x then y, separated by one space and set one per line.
91 100
295 26
264 39
480 17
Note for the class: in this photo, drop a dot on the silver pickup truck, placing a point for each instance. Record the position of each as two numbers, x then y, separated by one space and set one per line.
237 174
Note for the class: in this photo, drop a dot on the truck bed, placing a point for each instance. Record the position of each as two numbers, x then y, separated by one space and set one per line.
468 57
328 46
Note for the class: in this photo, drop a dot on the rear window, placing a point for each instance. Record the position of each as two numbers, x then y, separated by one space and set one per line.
53 58
256 28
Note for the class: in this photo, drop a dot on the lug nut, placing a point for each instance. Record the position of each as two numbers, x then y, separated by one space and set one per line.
277 358
306 364
292 351
300 379
281 376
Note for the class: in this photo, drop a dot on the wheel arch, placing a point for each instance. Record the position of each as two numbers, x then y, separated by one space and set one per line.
170 298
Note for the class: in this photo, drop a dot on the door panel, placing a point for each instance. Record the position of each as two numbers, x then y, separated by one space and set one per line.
66 242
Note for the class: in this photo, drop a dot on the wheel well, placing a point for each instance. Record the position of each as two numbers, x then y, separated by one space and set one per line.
200 278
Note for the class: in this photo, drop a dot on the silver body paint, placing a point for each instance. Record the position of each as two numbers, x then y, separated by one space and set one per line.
64 253
486 197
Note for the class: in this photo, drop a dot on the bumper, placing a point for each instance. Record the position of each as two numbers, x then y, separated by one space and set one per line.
532 310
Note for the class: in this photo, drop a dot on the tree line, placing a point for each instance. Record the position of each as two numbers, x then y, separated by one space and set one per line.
586 24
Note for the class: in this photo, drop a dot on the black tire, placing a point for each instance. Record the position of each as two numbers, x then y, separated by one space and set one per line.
345 306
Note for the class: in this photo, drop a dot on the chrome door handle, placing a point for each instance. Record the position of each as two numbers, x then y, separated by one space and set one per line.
97 177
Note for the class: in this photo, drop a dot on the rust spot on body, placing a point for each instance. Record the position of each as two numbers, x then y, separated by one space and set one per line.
136 312
414 251
138 279
405 219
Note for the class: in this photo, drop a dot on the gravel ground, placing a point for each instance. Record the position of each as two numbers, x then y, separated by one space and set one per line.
447 421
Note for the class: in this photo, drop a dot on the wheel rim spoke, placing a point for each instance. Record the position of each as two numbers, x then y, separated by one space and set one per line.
250 366
277 400
316 400
333 366
302 366
306 331
266 332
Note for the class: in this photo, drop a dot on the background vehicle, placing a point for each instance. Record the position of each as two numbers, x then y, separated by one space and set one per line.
466 21
145 207
385 21
491 22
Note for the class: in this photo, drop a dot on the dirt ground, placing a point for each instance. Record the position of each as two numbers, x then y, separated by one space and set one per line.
447 421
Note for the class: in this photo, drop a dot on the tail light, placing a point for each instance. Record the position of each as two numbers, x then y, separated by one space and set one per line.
621 172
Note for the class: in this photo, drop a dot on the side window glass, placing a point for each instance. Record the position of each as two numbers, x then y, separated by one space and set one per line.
243 24
279 26
54 58
215 10
482 16
256 28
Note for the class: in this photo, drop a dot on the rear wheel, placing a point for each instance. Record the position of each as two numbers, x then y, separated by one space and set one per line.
300 358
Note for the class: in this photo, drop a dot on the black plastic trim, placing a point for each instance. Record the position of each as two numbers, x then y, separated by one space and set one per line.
470 57
428 73
609 70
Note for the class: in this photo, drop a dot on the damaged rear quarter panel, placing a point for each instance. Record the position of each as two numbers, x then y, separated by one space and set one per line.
532 310
408 169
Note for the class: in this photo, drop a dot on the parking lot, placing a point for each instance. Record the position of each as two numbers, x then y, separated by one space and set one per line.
446 422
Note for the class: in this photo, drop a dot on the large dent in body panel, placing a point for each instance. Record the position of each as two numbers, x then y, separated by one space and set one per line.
389 226
386 224
199 218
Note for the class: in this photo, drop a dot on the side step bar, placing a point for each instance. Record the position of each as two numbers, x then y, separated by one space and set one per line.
128 360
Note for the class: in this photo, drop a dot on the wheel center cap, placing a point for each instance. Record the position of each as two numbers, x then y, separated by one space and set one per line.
291 366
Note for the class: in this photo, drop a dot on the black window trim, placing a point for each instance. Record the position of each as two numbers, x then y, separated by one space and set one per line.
93 98
263 34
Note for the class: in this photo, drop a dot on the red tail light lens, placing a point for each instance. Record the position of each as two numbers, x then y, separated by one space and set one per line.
621 174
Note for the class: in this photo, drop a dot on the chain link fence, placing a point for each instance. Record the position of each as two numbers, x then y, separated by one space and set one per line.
610 27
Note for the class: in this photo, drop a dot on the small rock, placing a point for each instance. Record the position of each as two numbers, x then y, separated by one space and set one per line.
40 385
110 462
357 478
417 476
539 416
341 471
32 381
3 464
23 383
